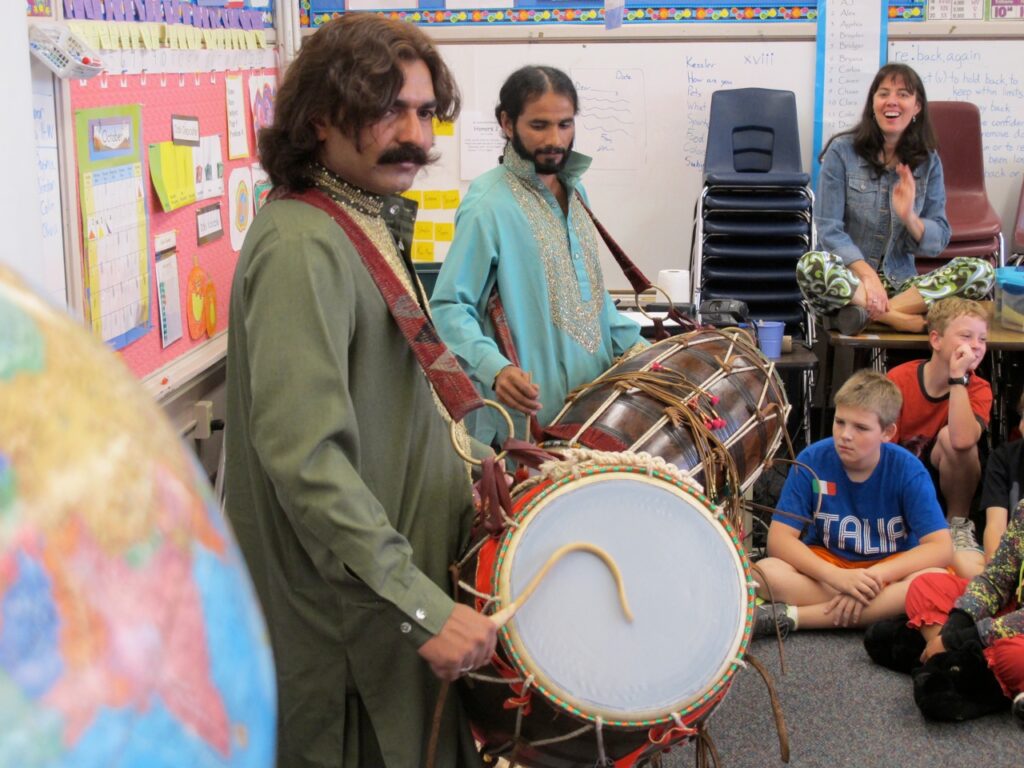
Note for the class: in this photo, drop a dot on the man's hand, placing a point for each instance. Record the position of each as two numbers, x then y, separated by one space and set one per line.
857 583
465 642
514 389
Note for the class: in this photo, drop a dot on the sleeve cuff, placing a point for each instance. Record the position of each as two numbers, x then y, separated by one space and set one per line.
423 605
489 369
931 241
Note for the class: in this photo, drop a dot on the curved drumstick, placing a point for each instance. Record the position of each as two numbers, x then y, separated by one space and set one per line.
500 618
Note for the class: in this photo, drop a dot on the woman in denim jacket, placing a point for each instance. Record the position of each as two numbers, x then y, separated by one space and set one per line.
881 200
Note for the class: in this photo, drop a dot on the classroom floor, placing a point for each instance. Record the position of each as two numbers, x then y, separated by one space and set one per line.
842 710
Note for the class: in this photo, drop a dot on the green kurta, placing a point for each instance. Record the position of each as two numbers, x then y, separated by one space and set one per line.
344 491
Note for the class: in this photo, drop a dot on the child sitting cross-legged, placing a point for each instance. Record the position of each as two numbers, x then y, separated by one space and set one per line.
850 534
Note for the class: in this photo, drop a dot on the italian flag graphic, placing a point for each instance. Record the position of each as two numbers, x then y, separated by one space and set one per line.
824 487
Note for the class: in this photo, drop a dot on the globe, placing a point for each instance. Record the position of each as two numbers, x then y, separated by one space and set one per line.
130 634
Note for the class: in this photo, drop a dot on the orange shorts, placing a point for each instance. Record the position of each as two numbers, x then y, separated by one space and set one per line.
836 560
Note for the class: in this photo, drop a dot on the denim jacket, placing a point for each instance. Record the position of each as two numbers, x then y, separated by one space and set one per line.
854 217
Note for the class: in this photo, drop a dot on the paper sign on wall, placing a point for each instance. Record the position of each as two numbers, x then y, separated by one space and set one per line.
185 130
209 226
239 205
208 166
238 136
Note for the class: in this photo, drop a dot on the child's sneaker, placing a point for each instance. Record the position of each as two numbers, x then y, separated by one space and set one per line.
1018 709
769 616
962 531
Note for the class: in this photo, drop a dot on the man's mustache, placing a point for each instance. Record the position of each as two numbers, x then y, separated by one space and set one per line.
550 150
405 153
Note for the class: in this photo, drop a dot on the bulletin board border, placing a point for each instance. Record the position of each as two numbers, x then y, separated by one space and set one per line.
593 14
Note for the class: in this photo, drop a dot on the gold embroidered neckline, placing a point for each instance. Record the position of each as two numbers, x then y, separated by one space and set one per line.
340 191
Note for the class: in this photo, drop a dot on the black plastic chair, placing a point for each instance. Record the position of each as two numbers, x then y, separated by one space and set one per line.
754 217
753 140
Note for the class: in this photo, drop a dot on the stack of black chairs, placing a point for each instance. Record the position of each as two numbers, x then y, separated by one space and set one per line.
754 217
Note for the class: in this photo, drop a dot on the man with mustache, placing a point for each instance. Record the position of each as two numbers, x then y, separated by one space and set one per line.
343 486
524 232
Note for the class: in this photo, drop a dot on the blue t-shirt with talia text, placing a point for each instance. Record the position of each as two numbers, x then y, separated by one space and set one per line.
887 513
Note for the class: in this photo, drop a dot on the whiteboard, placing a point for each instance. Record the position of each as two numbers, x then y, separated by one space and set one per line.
49 267
980 71
644 120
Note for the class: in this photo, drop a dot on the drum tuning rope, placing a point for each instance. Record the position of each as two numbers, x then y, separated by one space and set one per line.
503 616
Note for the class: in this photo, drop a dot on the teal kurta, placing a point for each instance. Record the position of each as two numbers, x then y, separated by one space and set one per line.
347 497
511 232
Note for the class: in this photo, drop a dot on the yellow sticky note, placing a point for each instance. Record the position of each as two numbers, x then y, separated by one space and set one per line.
414 194
444 231
106 43
149 40
261 38
424 230
450 199
124 32
443 129
432 199
422 250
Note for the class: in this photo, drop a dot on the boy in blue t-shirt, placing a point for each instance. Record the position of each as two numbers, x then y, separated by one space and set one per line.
849 561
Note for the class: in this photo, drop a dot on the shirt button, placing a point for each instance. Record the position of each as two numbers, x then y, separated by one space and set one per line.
406 627
576 256
393 210
421 614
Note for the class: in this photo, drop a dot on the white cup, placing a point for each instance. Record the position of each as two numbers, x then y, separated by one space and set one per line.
676 283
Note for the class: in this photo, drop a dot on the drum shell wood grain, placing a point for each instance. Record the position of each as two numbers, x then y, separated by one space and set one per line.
700 356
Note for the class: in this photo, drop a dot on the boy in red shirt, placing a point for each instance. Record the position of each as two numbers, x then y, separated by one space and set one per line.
946 412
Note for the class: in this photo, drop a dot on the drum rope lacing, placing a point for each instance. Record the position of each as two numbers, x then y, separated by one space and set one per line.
693 404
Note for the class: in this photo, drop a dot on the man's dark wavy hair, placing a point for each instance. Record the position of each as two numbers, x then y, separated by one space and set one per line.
349 74
531 82
917 139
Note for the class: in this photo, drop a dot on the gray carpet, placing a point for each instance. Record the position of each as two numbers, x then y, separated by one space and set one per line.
842 710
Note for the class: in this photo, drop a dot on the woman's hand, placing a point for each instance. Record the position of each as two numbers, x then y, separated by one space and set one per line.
876 300
903 202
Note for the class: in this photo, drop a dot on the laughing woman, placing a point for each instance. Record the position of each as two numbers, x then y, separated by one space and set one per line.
881 201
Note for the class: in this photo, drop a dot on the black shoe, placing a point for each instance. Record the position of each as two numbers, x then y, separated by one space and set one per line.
892 644
851 320
957 685
1018 709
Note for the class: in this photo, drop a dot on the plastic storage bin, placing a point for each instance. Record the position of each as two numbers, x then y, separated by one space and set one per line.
1010 298
63 51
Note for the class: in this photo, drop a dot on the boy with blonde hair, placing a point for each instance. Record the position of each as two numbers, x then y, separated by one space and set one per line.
946 412
856 521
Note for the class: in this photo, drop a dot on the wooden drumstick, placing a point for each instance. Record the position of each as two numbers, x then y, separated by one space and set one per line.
500 618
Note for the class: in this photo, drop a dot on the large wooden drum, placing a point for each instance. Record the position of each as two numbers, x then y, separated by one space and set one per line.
687 399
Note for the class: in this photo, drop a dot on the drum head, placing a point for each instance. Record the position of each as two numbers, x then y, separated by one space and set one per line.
685 579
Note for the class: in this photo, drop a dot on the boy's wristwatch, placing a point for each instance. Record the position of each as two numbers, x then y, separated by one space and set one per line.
965 380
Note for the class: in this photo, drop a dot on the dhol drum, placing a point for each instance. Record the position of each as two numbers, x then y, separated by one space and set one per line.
573 681
688 399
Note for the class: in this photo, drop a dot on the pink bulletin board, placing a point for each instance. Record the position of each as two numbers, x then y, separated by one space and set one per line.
200 95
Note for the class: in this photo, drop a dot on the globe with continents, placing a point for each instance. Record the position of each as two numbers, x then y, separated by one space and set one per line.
130 634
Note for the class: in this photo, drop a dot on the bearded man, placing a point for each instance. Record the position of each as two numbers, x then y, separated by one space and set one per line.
523 231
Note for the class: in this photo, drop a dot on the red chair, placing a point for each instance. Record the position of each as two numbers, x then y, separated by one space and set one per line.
977 230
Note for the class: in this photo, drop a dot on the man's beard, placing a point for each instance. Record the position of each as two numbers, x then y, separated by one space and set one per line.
542 166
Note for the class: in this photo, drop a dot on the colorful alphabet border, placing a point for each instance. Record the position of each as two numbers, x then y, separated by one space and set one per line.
573 13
